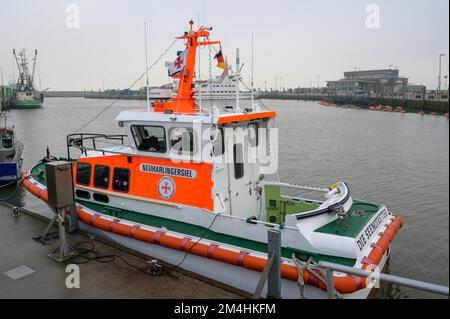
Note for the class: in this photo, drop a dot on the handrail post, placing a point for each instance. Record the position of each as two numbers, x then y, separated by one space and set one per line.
330 283
274 280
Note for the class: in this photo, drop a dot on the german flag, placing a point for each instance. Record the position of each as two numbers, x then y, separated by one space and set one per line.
220 60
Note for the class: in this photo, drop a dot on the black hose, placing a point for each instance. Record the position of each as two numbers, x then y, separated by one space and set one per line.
85 252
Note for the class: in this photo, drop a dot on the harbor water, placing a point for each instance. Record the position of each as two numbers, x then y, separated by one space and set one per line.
401 160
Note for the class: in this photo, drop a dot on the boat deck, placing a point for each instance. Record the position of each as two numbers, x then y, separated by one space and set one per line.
97 280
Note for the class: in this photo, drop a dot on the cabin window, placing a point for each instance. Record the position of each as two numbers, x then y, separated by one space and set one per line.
238 156
7 140
149 138
218 141
84 173
182 141
101 176
121 180
253 134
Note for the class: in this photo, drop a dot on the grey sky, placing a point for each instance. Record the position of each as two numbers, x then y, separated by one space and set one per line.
297 40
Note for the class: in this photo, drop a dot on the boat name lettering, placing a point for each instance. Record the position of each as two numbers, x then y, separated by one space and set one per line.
370 230
171 171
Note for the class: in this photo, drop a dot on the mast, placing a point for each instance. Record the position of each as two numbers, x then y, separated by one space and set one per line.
146 68
18 65
184 101
34 66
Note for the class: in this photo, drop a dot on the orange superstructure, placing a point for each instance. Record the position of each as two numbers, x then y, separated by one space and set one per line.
195 190
184 101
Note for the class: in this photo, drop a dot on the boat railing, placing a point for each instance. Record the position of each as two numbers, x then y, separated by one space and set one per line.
89 141
381 277
294 186
272 274
259 222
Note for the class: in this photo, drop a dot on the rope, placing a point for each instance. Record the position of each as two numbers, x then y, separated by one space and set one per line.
312 267
129 88
16 190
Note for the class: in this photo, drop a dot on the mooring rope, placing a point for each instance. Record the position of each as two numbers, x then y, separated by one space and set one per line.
312 267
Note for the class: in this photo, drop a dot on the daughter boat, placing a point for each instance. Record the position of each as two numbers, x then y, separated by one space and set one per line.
183 190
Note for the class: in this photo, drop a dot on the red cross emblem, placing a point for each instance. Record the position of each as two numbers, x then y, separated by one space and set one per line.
178 62
166 187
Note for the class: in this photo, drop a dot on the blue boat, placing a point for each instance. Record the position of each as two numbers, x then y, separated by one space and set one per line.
10 155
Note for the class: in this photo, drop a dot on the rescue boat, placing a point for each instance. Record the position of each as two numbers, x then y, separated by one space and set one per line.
200 189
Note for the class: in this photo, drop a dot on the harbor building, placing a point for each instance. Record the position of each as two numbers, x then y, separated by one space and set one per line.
368 83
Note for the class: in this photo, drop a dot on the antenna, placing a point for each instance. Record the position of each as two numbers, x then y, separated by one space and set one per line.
146 68
238 78
252 84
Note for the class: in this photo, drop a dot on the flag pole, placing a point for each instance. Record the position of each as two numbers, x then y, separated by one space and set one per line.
146 68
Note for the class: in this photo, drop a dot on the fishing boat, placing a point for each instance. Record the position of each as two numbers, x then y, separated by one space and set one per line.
180 186
25 94
10 153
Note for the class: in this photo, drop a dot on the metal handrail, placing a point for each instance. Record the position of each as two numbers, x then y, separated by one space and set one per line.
406 282
78 140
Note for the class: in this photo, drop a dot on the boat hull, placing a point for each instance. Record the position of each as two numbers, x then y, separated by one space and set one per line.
227 263
233 276
9 172
26 104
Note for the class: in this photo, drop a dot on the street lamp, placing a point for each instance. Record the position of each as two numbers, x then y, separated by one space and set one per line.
2 102
440 73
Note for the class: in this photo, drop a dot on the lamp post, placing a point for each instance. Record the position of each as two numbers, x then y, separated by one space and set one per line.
2 102
440 73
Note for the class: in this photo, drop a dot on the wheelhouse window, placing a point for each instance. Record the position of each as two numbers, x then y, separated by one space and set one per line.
253 134
7 139
121 180
182 141
101 176
149 138
238 157
218 141
83 174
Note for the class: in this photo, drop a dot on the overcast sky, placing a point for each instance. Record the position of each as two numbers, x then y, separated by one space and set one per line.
296 40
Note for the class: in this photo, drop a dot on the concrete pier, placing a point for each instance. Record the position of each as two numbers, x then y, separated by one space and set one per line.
27 272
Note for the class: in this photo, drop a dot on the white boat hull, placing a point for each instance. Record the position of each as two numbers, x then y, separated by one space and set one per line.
234 276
